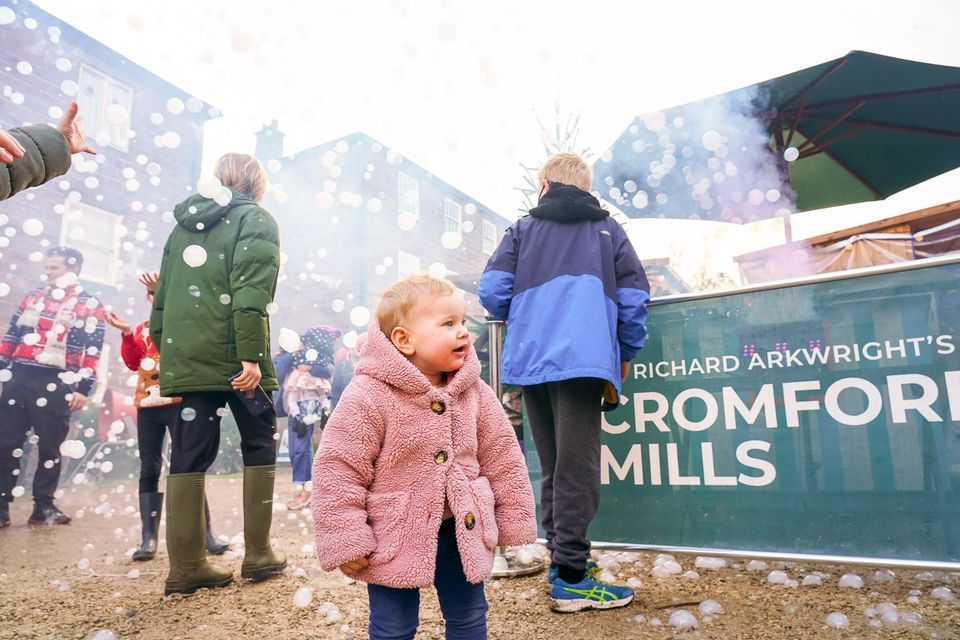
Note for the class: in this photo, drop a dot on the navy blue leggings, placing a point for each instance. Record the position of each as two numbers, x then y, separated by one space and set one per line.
395 613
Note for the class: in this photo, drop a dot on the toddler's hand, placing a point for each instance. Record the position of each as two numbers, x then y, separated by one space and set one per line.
354 565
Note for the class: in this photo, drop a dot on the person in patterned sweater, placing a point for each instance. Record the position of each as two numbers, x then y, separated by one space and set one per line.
48 363
155 416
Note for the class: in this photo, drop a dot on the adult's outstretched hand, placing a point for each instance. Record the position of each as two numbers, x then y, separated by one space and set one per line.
72 129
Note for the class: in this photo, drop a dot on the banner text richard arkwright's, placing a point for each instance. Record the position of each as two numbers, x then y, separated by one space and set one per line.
898 349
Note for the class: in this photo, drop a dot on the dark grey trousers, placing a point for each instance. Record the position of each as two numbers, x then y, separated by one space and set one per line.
565 422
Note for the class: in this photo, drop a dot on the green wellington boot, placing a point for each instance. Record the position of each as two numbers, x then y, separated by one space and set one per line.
151 506
260 561
186 543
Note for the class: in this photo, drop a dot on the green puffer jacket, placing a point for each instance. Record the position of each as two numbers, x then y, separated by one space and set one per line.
47 156
219 273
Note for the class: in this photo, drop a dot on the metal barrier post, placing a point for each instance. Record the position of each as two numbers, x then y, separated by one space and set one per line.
506 561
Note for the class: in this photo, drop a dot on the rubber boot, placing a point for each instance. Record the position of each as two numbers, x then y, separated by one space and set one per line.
189 569
214 546
260 561
151 507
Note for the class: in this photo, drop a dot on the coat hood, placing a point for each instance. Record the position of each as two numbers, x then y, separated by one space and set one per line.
199 214
381 360
566 203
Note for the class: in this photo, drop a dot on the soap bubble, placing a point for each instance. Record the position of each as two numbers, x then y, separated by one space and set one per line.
360 316
188 414
289 340
790 154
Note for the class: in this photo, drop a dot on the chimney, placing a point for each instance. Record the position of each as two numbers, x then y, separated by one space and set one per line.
269 143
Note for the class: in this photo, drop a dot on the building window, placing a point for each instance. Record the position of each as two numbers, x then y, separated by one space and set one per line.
489 237
105 105
96 234
407 264
409 192
452 216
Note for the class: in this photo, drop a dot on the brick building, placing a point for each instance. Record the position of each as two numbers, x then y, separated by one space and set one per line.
114 207
355 216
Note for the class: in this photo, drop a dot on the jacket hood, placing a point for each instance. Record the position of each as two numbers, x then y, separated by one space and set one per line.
566 203
199 214
381 360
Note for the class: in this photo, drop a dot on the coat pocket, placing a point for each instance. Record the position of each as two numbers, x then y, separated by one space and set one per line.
387 514
484 503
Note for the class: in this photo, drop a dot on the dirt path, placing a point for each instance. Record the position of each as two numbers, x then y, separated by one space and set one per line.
45 593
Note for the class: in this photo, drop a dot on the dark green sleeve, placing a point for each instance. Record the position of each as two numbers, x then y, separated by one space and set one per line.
253 281
47 156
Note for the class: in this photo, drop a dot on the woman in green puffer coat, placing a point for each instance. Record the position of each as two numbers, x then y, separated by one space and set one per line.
210 323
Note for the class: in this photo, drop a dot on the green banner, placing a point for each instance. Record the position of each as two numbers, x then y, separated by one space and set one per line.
820 418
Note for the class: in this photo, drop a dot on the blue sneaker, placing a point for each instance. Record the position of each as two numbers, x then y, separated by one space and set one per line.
553 571
589 593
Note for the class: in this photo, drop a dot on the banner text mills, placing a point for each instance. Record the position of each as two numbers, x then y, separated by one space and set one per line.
905 396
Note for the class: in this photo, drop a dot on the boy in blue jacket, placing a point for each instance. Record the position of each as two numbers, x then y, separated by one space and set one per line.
572 289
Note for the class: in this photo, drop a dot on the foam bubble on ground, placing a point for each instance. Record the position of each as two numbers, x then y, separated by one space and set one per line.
943 593
302 597
682 619
703 562
710 608
777 577
756 565
837 620
850 581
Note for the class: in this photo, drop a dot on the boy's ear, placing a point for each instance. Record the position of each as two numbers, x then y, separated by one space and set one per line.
400 338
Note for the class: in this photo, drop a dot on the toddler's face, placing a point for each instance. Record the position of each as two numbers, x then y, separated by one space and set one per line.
437 333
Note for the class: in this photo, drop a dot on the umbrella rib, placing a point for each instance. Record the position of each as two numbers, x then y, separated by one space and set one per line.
802 95
819 147
889 126
886 95
813 140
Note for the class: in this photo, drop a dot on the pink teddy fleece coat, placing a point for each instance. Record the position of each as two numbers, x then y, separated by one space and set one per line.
396 450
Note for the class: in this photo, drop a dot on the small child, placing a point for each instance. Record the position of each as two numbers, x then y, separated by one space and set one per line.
306 399
419 473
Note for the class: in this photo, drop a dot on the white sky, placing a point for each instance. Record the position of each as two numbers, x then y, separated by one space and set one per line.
454 85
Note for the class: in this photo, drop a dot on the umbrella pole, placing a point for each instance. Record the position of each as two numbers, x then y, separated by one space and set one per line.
787 229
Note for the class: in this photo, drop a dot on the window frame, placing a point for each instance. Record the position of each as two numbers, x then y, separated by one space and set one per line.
85 246
408 196
95 115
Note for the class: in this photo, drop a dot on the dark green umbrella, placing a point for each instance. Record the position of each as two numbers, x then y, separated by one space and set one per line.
858 128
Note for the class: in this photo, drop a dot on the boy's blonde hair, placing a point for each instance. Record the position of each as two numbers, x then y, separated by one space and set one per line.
400 298
242 172
567 168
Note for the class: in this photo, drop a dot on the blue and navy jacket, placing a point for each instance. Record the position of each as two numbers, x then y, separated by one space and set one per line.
572 289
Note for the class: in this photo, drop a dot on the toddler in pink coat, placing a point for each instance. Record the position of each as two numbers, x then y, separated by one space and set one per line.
419 473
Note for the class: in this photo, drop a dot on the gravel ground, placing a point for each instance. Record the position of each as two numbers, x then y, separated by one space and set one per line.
75 581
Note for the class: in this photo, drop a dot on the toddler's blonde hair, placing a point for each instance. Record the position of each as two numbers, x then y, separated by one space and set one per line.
400 298
242 172
567 168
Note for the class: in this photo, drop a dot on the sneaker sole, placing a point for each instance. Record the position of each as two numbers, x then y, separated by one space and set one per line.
43 523
195 587
572 606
